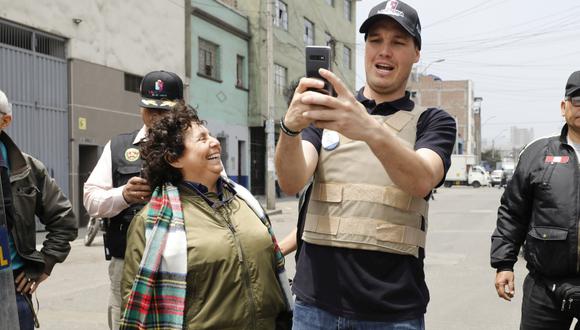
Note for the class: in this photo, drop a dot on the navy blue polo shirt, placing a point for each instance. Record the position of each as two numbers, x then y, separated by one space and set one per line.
372 285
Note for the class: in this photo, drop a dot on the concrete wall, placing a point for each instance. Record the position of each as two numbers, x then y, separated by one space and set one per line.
126 35
105 39
107 108
222 103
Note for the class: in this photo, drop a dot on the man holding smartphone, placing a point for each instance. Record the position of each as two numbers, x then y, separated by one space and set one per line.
116 189
375 158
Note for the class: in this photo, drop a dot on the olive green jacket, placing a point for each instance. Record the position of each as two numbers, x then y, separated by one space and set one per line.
231 277
35 193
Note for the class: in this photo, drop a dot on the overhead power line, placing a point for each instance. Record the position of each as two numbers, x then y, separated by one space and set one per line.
486 3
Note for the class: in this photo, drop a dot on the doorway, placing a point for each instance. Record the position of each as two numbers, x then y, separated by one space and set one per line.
88 158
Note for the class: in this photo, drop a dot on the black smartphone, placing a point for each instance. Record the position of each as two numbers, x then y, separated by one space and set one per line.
318 57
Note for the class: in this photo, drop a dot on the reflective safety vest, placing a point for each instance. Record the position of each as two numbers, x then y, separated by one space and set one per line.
355 204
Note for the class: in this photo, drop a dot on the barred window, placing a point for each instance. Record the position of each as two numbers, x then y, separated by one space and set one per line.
132 83
330 42
346 58
281 15
308 32
208 59
240 71
280 74
348 9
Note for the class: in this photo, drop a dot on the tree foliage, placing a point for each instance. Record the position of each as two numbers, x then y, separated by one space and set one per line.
490 157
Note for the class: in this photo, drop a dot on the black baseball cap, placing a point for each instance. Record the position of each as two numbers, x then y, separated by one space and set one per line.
160 90
401 12
573 84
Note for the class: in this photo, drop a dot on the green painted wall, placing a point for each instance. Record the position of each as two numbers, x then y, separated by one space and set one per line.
289 46
221 101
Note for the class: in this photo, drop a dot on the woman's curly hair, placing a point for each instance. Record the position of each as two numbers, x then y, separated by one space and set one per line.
165 144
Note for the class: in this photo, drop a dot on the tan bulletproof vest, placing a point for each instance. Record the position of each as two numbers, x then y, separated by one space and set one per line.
355 204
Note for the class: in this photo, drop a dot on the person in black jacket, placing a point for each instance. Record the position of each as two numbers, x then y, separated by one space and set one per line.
30 192
540 207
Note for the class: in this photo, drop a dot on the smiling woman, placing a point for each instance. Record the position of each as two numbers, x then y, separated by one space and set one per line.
202 241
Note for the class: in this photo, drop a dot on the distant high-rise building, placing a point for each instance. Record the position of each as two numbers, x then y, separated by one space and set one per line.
521 136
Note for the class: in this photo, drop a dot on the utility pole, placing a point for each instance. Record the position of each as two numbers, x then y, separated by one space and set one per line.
270 183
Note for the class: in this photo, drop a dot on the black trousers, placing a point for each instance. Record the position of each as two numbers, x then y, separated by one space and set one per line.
540 311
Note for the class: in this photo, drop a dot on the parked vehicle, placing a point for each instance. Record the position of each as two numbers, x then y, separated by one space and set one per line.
507 177
496 177
463 171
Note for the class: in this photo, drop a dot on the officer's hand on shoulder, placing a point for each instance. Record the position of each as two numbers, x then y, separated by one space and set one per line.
136 190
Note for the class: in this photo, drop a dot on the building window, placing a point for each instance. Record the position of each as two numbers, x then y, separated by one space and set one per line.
330 2
240 71
280 74
132 83
330 42
281 17
308 32
347 9
346 58
208 59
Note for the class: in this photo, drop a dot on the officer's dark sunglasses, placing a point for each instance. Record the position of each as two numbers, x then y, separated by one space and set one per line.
575 100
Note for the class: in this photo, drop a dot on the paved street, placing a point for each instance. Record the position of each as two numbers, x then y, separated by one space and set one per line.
457 270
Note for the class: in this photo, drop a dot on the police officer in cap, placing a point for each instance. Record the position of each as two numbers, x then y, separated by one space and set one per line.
115 190
540 206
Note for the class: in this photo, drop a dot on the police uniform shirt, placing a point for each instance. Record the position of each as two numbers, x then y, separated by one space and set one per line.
372 285
100 198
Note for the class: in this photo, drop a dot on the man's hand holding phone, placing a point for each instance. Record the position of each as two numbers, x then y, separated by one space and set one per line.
294 120
342 113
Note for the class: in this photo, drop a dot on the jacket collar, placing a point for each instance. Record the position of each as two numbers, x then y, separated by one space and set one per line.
18 165
564 134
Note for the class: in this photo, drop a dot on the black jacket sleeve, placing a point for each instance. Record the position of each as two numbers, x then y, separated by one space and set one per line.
55 211
513 216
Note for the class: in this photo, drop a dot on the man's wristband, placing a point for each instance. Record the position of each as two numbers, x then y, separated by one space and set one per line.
286 130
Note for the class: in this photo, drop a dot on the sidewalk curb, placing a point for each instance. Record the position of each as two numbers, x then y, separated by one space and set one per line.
273 212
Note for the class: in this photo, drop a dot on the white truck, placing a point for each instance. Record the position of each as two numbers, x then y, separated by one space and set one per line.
463 171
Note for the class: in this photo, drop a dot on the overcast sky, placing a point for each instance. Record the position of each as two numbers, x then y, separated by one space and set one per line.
518 53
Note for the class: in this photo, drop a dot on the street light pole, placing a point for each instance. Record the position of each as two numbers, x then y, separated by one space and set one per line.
431 63
488 119
493 142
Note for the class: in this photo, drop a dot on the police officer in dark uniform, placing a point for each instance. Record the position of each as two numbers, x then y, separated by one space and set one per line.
540 206
115 189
